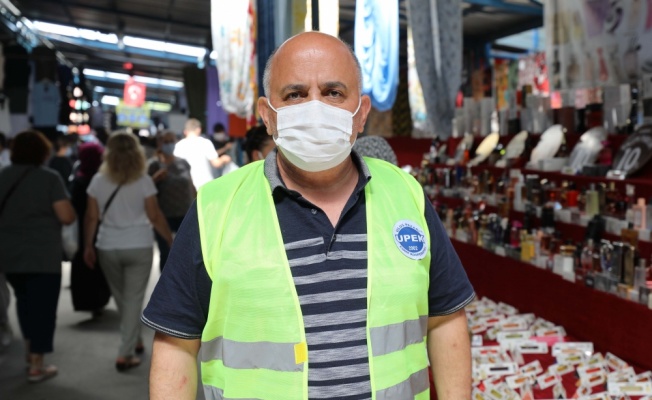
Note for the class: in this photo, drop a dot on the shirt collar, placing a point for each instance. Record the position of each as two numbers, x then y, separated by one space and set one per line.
273 174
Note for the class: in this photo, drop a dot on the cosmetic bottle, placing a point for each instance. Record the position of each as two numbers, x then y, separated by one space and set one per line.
592 202
639 214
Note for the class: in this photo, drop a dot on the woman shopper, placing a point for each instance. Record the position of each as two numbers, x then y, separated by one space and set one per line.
33 206
174 184
88 287
123 198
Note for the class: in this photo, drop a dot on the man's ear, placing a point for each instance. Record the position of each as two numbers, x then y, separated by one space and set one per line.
264 111
361 118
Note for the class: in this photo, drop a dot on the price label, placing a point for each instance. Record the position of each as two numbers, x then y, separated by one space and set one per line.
635 152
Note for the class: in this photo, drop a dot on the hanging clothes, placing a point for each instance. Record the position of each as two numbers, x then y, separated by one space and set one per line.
265 34
376 46
419 113
437 35
234 39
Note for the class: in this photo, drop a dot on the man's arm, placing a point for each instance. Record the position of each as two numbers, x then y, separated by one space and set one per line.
173 375
220 161
449 350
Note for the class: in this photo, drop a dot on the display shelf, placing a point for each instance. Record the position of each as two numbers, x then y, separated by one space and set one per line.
643 186
573 232
613 324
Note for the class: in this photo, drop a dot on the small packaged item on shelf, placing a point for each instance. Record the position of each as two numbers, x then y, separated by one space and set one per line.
533 368
629 388
585 371
561 369
571 347
547 379
519 380
614 362
571 359
531 347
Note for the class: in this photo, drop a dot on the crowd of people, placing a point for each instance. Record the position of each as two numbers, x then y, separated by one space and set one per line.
120 202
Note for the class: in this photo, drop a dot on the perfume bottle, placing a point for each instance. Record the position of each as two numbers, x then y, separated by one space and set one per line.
640 274
592 202
586 261
639 214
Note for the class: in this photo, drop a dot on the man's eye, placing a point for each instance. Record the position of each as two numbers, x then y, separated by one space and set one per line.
334 93
293 96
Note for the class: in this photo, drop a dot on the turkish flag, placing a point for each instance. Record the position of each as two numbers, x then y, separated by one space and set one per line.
134 93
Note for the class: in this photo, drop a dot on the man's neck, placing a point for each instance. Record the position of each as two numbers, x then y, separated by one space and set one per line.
335 183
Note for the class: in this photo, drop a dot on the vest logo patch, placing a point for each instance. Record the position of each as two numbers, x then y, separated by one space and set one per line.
410 239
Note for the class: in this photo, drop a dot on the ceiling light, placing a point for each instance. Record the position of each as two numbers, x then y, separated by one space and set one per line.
156 81
57 29
110 100
115 76
149 44
10 6
88 34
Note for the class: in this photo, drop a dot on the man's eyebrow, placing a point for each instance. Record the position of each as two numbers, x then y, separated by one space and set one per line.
294 87
334 85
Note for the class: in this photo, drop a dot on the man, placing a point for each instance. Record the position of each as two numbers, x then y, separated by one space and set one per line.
200 154
314 274
258 144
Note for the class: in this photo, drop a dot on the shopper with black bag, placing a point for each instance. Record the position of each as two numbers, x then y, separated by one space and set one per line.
33 206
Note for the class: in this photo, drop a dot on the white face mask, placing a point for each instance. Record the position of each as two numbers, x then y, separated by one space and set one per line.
314 136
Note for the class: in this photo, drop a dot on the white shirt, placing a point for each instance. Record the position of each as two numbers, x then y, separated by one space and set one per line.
5 158
125 225
198 151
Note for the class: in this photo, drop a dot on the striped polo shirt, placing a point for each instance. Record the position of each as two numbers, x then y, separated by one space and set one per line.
329 268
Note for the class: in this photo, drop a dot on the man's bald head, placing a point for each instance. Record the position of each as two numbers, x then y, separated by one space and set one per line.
307 40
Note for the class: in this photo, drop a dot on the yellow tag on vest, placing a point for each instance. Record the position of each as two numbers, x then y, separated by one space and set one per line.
300 353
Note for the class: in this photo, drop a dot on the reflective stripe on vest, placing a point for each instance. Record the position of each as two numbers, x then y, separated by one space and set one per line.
395 337
253 345
417 383
213 393
241 355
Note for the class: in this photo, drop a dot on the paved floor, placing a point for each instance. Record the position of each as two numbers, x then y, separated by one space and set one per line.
84 350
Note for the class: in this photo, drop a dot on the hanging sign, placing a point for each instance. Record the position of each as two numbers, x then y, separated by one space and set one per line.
134 93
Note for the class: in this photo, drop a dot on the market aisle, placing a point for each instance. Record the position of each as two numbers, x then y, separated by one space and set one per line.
85 351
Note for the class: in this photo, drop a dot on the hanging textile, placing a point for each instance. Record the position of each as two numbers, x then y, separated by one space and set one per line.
329 17
376 46
265 34
214 111
421 124
299 12
282 21
194 83
437 35
233 28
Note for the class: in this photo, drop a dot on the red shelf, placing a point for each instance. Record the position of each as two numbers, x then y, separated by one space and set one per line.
613 324
570 231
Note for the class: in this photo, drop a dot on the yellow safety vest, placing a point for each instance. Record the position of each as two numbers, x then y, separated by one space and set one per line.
254 343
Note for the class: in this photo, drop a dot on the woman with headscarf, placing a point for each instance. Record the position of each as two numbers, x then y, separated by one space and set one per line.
123 197
88 287
33 207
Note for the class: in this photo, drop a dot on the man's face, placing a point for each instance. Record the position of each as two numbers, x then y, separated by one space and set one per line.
310 67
